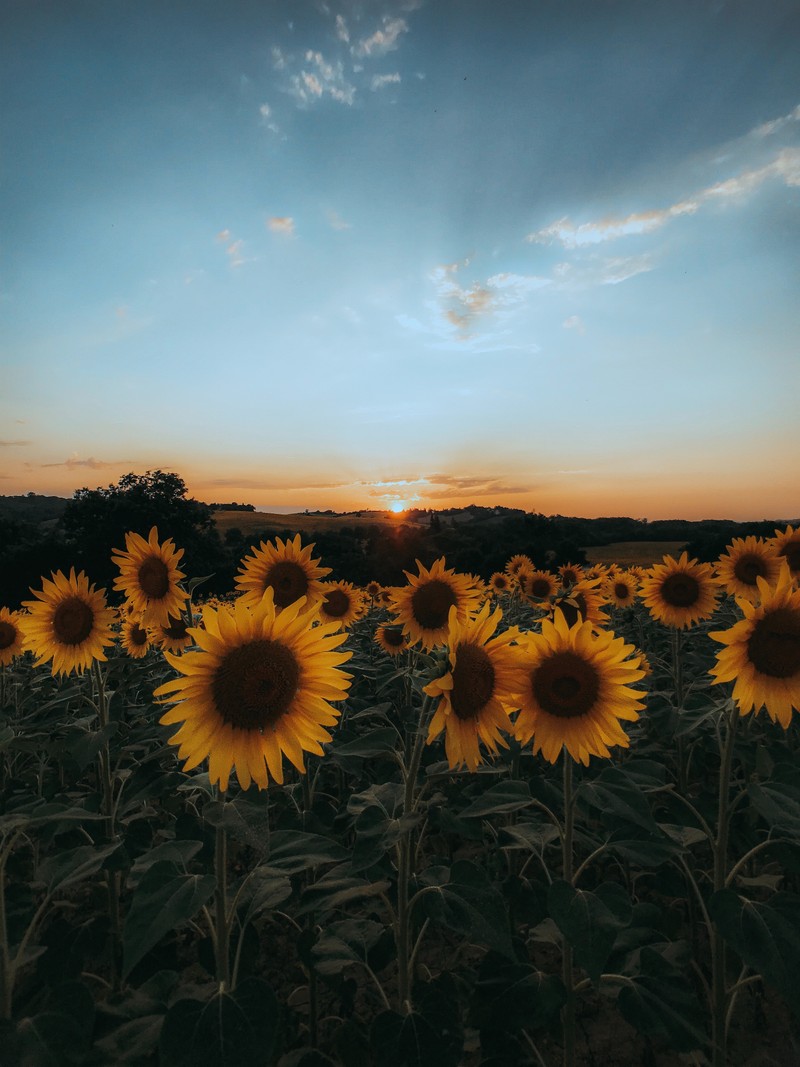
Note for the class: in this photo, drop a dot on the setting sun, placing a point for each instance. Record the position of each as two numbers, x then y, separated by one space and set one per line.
397 506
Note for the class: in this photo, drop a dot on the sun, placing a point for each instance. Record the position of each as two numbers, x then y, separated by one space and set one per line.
397 506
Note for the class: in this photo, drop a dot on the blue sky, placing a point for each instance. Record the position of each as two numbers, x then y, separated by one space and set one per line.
342 255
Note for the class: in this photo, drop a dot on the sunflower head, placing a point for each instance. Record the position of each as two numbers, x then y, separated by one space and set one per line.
570 574
620 589
11 638
175 635
391 639
149 577
539 585
341 604
476 694
762 651
577 688
135 637
423 606
286 568
373 589
744 561
787 545
500 583
680 592
69 624
517 564
258 687
582 602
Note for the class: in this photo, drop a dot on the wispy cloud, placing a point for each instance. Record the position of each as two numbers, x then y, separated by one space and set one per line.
14 444
383 40
574 322
74 462
337 222
783 167
319 78
767 129
380 81
282 224
234 248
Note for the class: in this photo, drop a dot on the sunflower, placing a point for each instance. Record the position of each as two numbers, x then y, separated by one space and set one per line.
373 589
258 687
762 652
583 601
135 637
788 546
475 695
539 585
499 583
11 638
149 577
175 635
423 606
69 624
620 589
680 592
391 639
287 569
746 560
341 604
517 564
576 689
570 573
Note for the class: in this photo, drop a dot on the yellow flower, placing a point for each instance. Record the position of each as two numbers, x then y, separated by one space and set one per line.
620 589
499 583
571 573
577 689
391 639
762 651
423 606
539 585
11 639
787 545
257 688
746 560
517 564
149 577
135 637
341 604
287 569
476 693
69 624
175 636
582 601
680 592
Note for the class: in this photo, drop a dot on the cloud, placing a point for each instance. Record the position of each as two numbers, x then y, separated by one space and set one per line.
574 322
234 250
380 81
382 40
593 270
784 167
283 224
767 129
73 462
461 309
321 78
337 222
342 31
14 444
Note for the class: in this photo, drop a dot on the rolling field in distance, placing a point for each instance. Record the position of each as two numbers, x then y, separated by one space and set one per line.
642 553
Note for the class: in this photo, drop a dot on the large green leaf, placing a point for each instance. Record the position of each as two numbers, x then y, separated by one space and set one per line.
411 1041
74 865
778 805
659 1002
766 936
507 796
589 920
620 801
165 898
62 1032
514 996
291 851
229 1030
468 903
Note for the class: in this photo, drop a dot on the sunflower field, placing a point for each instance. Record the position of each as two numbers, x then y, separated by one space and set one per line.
528 818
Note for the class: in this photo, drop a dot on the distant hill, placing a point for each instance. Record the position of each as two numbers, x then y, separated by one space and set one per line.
32 508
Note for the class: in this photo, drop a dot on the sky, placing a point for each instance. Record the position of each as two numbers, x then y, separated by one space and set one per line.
425 253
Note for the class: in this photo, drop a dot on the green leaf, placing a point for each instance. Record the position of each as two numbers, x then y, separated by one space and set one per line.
195 583
410 1041
346 943
469 904
659 1002
589 920
336 889
645 853
74 865
230 1030
504 796
177 852
62 1033
379 742
779 805
133 1042
514 996
291 851
245 818
619 799
164 899
766 936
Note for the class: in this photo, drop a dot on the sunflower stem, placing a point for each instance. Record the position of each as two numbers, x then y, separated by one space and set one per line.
719 993
405 865
107 783
221 902
568 1011
677 673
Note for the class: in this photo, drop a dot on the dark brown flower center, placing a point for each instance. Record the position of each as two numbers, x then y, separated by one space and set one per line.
8 634
539 587
137 635
791 552
73 620
473 681
680 590
431 603
774 645
373 589
621 591
154 578
749 567
393 637
337 603
176 629
574 609
569 577
500 582
565 685
255 684
289 582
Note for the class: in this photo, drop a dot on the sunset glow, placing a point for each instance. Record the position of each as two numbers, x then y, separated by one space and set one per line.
405 255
